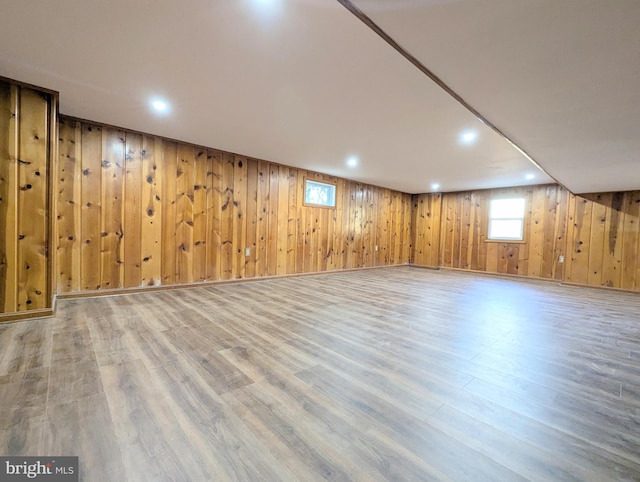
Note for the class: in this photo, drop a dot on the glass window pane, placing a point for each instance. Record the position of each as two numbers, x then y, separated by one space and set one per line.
507 208
505 229
320 193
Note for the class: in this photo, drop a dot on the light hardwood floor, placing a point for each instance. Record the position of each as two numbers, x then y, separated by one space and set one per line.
386 374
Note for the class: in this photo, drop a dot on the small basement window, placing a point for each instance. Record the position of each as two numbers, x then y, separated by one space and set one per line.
506 219
320 194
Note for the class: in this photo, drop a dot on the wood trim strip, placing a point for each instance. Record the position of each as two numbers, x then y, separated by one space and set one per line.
147 289
25 315
364 18
52 197
529 278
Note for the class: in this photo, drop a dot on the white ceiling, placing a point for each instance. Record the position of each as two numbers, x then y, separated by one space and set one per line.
307 84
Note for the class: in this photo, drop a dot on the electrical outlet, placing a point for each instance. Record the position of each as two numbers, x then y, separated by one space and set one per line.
561 259
376 247
247 251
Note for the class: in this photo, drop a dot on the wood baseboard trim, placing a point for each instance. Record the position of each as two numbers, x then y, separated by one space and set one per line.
495 275
147 289
26 315
422 266
600 287
529 278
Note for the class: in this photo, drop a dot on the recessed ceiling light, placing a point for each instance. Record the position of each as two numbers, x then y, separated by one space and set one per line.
160 106
529 177
267 8
435 186
468 137
352 161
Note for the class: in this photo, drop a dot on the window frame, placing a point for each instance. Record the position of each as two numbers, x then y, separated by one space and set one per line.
520 239
325 183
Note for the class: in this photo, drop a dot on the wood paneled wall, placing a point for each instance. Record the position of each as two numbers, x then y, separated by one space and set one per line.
604 240
137 210
598 235
26 144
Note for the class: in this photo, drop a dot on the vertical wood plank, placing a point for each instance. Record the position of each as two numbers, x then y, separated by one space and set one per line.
69 206
568 249
263 218
185 184
419 228
33 204
151 218
9 100
612 255
470 247
560 232
457 230
313 235
252 217
169 190
395 215
91 213
292 222
476 238
448 230
596 238
272 234
342 223
282 222
323 235
214 212
367 206
113 151
536 234
351 214
550 213
226 217
132 228
582 246
301 211
200 216
375 228
434 216
406 246
239 218
302 247
465 227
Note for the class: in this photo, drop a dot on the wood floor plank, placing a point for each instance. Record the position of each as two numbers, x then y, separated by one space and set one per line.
308 451
213 428
152 443
83 428
376 459
622 438
532 462
564 447
29 348
21 429
426 441
6 334
26 388
111 345
69 380
384 374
